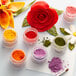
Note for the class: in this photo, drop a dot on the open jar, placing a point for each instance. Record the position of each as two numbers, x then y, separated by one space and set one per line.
30 35
70 14
9 38
18 57
39 55
59 44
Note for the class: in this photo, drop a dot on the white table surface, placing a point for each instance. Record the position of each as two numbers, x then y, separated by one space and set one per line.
5 68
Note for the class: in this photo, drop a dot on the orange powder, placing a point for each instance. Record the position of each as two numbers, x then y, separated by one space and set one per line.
18 55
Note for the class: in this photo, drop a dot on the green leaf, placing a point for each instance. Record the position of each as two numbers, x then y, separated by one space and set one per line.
46 43
25 23
59 12
12 0
71 46
23 9
62 30
53 31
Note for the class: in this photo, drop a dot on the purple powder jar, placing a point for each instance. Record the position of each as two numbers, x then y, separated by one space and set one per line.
55 65
39 55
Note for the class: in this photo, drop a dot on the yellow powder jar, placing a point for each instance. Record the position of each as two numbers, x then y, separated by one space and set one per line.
9 38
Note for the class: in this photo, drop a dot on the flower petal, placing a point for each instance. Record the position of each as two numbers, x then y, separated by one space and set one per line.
0 2
67 30
42 3
15 6
73 40
4 19
11 18
68 37
72 28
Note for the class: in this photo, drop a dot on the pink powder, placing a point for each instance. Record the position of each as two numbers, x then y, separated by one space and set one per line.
39 53
55 65
71 9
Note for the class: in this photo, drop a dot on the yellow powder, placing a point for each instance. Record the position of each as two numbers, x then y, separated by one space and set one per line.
9 35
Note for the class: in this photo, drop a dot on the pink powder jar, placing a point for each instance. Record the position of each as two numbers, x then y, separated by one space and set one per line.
30 35
70 14
39 55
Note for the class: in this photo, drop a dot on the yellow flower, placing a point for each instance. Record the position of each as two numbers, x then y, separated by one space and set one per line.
7 9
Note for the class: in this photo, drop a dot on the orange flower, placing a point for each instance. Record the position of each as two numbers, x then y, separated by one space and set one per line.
7 9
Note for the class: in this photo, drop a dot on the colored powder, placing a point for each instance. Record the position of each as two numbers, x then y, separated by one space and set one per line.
39 53
18 55
71 9
60 41
55 65
9 35
31 34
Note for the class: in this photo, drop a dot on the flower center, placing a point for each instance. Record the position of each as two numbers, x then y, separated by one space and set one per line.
41 17
74 34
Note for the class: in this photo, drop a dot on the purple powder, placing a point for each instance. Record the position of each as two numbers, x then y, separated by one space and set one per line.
39 53
55 64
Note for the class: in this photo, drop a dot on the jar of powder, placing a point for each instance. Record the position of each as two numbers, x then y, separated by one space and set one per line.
39 55
9 38
30 35
59 44
18 57
70 14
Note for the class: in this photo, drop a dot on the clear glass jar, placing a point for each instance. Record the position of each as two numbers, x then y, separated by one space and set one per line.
69 16
18 57
57 47
30 40
9 38
39 55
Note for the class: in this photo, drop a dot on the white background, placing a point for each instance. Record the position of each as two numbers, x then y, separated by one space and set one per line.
5 68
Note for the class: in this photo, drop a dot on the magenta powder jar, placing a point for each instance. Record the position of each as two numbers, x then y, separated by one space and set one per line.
39 55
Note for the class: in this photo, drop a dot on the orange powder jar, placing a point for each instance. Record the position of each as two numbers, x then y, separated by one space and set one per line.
18 57
9 38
